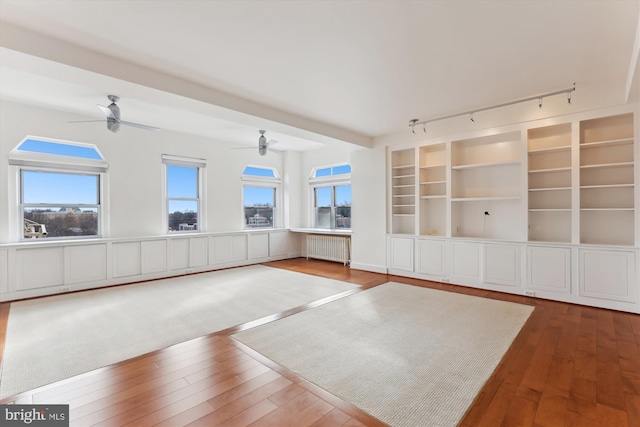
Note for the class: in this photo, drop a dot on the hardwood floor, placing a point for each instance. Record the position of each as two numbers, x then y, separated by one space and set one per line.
569 366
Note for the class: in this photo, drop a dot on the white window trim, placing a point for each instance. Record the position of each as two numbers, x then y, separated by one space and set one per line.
267 182
32 161
168 159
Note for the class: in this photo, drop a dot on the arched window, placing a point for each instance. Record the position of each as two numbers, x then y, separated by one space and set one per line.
331 196
261 192
61 188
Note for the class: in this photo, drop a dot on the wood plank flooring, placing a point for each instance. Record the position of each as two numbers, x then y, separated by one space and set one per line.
569 366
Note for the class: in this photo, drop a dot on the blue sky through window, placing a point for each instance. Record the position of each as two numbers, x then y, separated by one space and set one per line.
60 149
262 172
258 196
343 195
64 188
182 181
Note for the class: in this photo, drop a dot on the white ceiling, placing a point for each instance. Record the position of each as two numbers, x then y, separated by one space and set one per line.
313 72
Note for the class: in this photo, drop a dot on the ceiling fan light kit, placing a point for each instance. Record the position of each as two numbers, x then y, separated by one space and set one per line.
112 112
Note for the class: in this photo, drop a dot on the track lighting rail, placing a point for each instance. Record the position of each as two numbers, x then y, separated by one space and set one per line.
415 122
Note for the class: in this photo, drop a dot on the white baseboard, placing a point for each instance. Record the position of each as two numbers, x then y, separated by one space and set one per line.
369 267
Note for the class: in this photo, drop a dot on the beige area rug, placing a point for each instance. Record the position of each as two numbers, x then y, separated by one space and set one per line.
407 355
53 338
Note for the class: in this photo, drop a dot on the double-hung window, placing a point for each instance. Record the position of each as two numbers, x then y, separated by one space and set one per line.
331 194
261 192
184 189
61 186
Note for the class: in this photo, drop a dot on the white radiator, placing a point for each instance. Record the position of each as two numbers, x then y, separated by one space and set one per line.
329 248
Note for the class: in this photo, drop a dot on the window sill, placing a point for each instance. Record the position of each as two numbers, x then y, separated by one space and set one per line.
331 231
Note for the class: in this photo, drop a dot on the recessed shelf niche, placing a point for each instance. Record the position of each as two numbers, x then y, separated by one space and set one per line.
607 205
403 191
485 187
433 189
549 163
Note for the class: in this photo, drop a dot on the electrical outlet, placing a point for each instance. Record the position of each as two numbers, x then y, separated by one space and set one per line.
444 280
530 293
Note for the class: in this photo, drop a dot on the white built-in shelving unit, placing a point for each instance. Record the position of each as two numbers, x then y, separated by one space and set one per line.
546 208
607 181
403 191
549 179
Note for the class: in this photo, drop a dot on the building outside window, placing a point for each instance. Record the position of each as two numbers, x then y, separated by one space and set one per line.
60 188
184 187
261 188
331 190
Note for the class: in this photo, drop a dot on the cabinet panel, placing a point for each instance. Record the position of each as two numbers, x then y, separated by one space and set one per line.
39 268
179 254
154 256
4 270
86 263
549 269
278 244
198 251
220 249
502 264
465 259
126 259
259 246
239 248
607 274
401 253
432 257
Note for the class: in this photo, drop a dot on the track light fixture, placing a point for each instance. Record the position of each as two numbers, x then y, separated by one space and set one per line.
414 122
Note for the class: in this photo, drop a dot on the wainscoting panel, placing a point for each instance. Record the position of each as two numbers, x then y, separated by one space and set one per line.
86 263
154 256
126 259
39 267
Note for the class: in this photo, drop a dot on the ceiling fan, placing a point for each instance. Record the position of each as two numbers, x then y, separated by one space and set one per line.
263 144
113 117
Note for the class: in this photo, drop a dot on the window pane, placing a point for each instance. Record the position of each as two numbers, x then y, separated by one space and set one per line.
183 215
323 172
340 170
253 171
259 203
63 188
60 222
323 217
343 206
323 197
60 149
182 182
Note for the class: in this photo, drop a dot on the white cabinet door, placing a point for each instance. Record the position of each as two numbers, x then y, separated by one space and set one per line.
432 258
4 270
549 269
401 253
126 259
278 243
607 274
258 246
40 267
198 251
502 264
179 253
86 263
154 256
239 248
465 260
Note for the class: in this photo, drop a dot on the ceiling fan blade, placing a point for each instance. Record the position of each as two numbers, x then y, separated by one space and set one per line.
271 142
138 125
273 150
107 112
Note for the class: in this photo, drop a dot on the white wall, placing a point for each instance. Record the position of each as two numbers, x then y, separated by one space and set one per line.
135 169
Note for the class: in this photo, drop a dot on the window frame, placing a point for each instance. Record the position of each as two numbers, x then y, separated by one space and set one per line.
200 166
264 182
31 161
331 181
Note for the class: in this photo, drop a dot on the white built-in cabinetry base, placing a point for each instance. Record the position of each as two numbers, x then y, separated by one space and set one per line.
38 268
597 276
